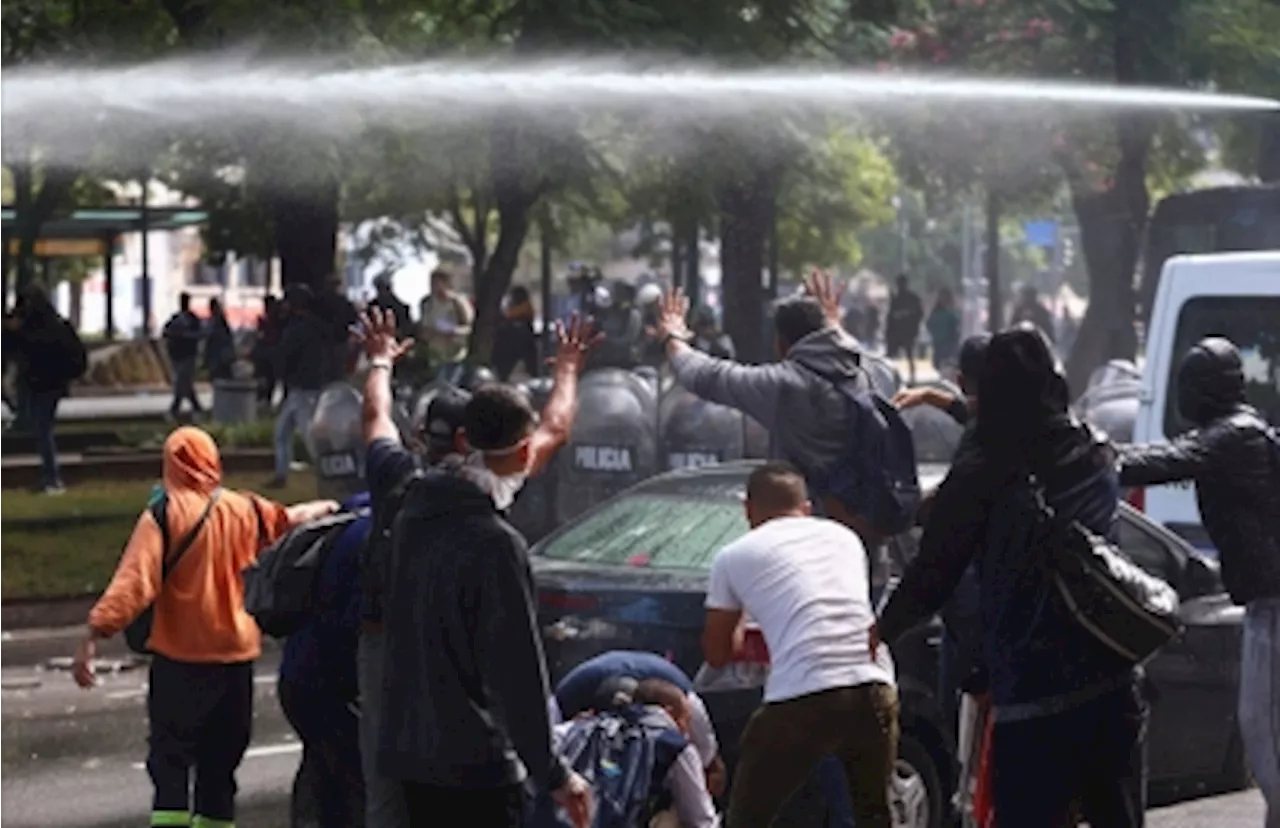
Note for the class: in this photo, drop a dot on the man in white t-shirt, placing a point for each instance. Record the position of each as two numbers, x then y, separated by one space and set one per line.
831 687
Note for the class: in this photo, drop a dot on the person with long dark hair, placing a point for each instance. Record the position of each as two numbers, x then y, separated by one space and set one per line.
1070 719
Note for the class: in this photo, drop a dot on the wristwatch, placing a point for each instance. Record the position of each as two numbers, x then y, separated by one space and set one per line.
666 340
380 362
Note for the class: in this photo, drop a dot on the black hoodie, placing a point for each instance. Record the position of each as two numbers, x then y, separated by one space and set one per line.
464 702
1233 456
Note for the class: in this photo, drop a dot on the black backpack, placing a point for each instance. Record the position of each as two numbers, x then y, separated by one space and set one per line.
69 358
279 587
875 479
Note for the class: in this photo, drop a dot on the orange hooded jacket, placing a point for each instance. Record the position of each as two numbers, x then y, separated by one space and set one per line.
199 611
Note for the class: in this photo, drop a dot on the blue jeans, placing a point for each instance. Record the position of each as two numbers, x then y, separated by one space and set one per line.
295 415
1259 711
42 408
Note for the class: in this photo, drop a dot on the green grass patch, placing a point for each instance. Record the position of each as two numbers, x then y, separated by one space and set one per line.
69 545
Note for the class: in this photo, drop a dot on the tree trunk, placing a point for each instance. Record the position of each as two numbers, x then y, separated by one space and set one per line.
991 264
306 233
495 281
32 209
744 228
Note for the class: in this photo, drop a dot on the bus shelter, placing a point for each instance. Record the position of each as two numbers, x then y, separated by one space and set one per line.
95 233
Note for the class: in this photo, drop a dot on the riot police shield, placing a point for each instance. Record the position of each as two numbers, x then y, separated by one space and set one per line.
613 444
695 432
336 441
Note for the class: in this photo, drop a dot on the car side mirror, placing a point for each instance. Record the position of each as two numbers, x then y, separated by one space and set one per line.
1199 578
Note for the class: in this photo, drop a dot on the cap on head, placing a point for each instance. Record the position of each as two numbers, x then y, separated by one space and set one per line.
1210 380
446 416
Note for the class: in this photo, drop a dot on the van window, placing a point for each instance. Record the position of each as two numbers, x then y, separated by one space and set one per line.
1249 322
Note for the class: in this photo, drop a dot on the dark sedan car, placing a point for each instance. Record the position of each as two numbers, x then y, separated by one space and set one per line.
632 574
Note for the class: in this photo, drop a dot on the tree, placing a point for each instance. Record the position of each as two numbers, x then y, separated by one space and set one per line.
1105 158
841 186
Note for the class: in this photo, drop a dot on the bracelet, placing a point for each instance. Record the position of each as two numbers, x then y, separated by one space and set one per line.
380 363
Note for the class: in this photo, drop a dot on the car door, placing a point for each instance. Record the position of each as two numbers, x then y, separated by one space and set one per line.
1192 682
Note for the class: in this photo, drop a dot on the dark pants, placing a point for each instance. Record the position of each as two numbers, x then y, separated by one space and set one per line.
430 806
1094 754
42 408
785 741
201 716
330 734
184 386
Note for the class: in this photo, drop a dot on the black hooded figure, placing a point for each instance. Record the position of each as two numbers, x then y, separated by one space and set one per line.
1069 715
1233 456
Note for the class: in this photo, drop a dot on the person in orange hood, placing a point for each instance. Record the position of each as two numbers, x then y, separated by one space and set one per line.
203 643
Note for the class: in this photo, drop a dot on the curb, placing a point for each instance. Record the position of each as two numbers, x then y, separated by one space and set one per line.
145 466
33 620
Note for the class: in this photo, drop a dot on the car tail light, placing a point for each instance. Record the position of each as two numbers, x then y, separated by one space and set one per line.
567 601
1137 498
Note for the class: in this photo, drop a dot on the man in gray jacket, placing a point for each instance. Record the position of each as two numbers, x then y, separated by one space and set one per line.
796 398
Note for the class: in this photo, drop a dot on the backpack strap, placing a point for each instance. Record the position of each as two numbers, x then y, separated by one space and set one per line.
170 561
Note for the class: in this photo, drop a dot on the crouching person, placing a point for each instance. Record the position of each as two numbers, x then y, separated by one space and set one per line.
184 561
636 752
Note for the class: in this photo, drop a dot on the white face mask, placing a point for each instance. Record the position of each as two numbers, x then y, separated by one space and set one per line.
503 490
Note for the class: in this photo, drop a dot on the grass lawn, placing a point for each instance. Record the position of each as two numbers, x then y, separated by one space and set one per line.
79 554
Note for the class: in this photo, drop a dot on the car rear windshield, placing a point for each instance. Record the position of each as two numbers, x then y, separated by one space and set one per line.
1251 323
653 530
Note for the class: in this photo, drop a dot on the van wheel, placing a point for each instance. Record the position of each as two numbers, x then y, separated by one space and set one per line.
915 790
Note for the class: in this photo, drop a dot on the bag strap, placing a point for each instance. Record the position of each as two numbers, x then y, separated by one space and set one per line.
171 561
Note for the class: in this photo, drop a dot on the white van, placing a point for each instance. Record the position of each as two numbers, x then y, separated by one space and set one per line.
1236 295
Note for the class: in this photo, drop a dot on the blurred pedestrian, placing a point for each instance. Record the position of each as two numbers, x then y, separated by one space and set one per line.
1031 310
385 299
515 342
707 335
182 335
944 331
902 329
444 323
184 561
220 344
301 365
338 313
50 357
265 347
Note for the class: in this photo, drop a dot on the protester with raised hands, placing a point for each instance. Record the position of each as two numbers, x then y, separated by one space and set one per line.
462 704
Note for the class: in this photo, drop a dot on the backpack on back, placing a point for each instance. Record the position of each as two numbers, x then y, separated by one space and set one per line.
279 587
625 756
874 486
70 356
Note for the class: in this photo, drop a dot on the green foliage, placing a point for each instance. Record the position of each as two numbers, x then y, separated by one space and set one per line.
843 184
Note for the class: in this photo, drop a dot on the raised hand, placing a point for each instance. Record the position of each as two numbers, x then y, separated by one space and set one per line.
673 314
573 342
377 334
829 293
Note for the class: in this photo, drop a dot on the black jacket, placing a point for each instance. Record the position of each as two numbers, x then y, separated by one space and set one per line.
465 705
1038 659
302 358
1235 465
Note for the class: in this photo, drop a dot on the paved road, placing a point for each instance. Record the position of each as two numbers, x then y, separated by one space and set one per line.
73 758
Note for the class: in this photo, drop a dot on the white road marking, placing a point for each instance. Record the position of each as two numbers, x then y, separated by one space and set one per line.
255 752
